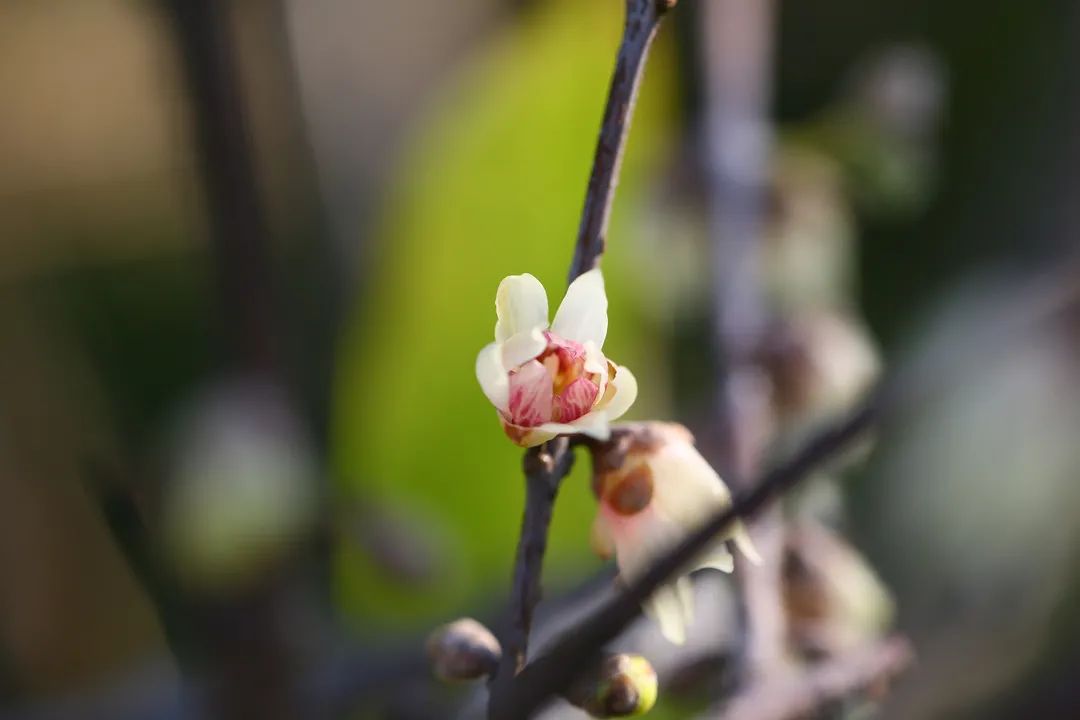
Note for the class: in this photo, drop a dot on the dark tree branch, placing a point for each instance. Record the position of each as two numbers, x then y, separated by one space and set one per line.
552 672
252 663
642 20
545 467
235 210
789 698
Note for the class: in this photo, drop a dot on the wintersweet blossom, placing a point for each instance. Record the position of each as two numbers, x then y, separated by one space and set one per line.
654 488
546 381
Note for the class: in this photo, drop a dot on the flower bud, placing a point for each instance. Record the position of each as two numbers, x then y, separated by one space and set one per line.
654 488
820 363
617 686
463 650
835 602
547 380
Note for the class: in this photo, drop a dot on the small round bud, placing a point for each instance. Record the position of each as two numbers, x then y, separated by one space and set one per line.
617 686
463 650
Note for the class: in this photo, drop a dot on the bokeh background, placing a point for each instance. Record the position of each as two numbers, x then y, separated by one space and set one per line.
251 413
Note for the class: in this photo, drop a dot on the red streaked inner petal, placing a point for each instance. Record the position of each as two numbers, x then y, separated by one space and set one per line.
574 401
531 395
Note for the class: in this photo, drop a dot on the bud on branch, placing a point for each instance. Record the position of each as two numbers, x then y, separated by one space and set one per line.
617 686
463 650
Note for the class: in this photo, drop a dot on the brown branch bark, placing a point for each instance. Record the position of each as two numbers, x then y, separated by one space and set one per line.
642 20
553 672
545 467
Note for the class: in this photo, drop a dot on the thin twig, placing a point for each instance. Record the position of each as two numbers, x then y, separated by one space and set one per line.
642 20
788 698
552 672
545 467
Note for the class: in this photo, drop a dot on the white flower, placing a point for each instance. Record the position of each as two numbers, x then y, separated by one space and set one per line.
660 490
550 381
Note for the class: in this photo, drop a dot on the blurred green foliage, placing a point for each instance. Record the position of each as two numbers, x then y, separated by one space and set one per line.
493 186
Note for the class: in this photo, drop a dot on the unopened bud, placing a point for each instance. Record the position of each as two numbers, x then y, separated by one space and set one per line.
834 600
463 650
820 363
617 686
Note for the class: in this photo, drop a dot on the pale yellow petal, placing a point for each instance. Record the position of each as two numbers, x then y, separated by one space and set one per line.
521 306
537 436
493 376
744 543
523 347
582 316
625 386
684 589
594 424
595 362
718 557
667 609
687 488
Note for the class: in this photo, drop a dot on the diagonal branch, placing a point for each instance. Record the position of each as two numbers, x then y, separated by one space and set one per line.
553 672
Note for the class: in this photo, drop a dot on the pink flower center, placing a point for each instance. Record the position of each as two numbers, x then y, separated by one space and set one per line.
554 386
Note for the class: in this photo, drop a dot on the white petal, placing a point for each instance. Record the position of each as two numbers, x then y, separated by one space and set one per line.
744 543
594 424
493 376
523 347
521 305
595 362
625 386
589 424
582 316
537 436
684 588
687 488
717 557
669 612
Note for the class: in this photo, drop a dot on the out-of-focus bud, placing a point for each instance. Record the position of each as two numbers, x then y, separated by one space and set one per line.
242 488
835 602
653 489
820 362
901 90
808 253
463 650
617 686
